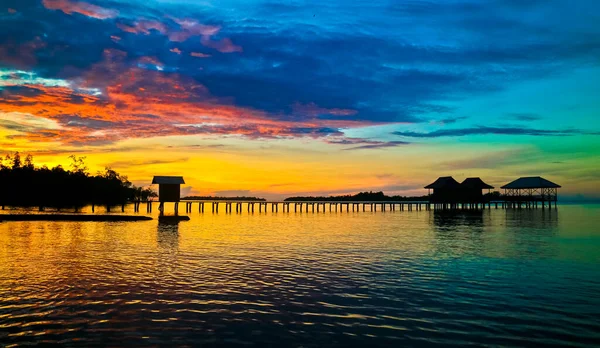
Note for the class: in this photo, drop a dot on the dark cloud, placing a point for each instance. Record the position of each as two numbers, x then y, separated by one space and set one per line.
483 130
365 144
381 145
118 164
524 116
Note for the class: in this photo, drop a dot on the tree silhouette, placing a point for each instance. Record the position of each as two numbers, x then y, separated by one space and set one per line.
22 184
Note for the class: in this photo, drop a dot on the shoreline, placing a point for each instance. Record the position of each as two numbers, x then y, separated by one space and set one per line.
71 217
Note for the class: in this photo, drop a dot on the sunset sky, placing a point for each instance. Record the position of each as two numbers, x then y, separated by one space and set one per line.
279 98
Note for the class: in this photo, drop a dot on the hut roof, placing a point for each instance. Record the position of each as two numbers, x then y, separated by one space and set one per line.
443 182
475 183
168 180
530 183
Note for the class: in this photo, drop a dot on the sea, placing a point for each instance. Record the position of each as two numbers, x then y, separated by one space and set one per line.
493 277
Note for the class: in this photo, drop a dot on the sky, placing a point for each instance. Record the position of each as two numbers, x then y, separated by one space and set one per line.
280 98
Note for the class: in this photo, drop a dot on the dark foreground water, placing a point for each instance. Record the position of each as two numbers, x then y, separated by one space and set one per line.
514 278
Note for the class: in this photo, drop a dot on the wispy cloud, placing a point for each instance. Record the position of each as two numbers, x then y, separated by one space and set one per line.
484 130
83 8
525 116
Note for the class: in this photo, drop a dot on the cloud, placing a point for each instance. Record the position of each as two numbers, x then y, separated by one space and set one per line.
484 130
313 110
224 45
294 78
140 163
365 144
84 8
143 26
449 120
524 116
200 55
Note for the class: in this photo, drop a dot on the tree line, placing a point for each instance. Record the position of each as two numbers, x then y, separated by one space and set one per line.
211 198
22 184
359 197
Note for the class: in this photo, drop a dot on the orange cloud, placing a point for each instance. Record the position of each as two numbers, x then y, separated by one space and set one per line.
69 7
140 103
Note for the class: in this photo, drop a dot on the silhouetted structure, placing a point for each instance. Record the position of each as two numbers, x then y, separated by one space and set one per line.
169 188
531 190
446 190
471 190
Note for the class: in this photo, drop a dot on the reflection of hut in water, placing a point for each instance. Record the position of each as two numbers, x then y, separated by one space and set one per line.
445 190
471 190
168 235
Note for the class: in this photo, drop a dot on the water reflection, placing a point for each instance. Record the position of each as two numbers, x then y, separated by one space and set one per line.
490 277
444 220
545 219
167 235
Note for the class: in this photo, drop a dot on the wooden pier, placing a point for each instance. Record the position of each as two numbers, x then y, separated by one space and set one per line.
240 207
448 195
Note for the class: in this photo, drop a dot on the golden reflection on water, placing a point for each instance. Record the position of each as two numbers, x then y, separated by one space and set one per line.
261 277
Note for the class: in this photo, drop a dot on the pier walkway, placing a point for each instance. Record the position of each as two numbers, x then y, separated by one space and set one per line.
337 206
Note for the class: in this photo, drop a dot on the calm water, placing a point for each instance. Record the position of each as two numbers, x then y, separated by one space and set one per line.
499 277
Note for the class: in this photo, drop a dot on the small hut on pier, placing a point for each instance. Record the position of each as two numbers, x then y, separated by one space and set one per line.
445 190
472 190
531 190
169 188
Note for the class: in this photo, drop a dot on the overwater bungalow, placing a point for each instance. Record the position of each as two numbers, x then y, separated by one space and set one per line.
445 190
471 190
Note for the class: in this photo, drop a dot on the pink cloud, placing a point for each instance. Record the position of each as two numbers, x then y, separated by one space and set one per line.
12 11
190 28
143 26
175 50
200 55
223 46
69 7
